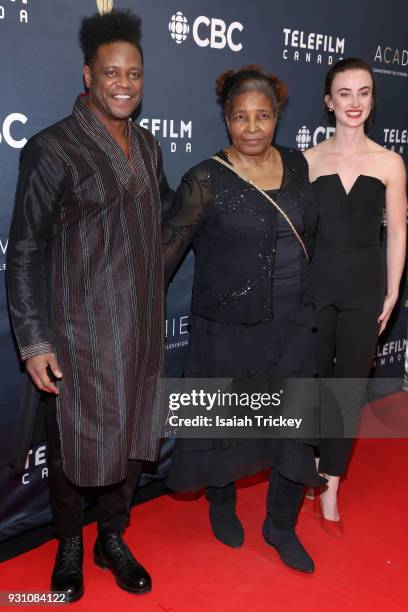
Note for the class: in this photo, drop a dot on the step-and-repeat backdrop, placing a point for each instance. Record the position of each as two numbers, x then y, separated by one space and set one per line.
187 44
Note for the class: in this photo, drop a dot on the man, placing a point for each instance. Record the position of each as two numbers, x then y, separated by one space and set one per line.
85 293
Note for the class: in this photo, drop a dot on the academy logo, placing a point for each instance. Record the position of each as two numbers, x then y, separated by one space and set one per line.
391 61
176 332
206 31
104 6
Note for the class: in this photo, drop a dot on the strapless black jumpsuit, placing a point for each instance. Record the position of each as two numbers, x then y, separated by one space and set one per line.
349 278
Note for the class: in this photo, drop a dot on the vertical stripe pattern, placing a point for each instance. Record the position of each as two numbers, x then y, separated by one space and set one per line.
107 308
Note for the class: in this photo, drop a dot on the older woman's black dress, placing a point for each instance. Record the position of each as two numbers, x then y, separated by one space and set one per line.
252 314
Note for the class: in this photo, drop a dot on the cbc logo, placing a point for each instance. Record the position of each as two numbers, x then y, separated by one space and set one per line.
214 32
6 132
179 28
304 136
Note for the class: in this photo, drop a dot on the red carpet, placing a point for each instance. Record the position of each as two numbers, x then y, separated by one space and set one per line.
192 572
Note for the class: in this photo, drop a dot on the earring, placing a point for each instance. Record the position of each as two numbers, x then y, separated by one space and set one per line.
331 109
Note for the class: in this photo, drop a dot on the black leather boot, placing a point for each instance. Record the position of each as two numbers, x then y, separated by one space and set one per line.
111 552
67 574
283 503
225 523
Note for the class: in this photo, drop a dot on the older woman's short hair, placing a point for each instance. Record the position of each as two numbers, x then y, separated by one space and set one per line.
246 79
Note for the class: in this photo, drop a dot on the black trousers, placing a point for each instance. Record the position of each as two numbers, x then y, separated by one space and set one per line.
114 502
346 343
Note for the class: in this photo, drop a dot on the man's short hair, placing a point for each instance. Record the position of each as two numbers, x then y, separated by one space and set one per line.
116 26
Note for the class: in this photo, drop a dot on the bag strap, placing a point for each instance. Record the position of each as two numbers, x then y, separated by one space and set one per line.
270 200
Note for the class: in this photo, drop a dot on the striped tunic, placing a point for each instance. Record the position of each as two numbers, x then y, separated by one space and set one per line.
85 281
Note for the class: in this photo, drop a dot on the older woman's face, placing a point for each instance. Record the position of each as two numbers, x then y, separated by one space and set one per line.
251 122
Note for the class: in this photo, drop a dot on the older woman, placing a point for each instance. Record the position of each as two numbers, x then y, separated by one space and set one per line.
249 215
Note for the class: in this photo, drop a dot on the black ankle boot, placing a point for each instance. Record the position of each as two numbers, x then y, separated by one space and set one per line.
283 503
225 523
111 552
288 545
67 574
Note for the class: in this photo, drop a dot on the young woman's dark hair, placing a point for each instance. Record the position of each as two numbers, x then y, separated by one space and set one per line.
350 63
250 78
116 26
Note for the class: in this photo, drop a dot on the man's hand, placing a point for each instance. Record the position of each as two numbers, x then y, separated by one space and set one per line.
37 369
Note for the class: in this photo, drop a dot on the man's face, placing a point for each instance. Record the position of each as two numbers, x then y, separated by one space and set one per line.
115 80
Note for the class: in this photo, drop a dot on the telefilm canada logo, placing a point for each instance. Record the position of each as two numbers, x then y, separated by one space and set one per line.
35 465
391 61
206 31
390 353
10 130
16 10
306 138
396 139
175 134
312 47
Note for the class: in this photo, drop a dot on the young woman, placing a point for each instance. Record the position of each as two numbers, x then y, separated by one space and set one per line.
353 180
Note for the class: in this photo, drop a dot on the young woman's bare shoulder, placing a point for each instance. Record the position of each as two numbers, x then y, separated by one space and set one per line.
386 158
390 165
394 165
314 153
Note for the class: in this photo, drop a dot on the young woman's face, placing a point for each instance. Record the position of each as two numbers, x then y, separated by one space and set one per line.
351 97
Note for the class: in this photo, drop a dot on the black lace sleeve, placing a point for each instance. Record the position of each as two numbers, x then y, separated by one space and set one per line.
182 220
